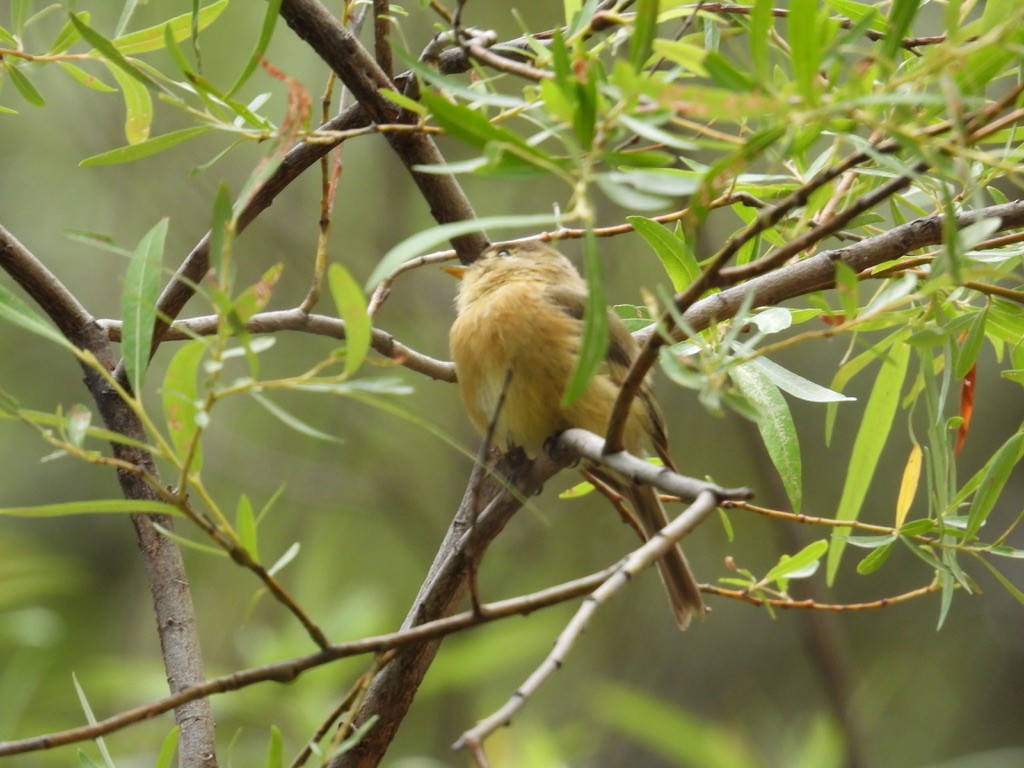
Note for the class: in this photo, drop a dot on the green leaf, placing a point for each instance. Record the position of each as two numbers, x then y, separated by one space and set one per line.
170 744
674 252
804 563
594 344
645 26
111 56
760 29
726 74
901 16
181 400
145 148
292 421
138 304
92 507
24 85
796 385
275 750
858 12
997 472
152 38
68 34
266 31
245 527
874 559
138 105
423 241
807 46
775 423
15 311
867 448
967 352
352 309
1007 584
83 77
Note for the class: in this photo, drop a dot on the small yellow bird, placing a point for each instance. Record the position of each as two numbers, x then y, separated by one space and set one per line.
519 328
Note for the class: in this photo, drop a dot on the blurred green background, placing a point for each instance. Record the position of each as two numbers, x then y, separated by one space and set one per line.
742 688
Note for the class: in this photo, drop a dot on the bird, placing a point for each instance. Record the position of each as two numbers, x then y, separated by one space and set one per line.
515 342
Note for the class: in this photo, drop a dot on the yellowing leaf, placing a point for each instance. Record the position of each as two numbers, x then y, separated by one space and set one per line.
908 486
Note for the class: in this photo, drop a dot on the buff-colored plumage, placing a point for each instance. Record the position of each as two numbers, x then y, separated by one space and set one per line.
520 310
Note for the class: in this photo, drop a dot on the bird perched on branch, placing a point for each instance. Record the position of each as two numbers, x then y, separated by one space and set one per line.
518 333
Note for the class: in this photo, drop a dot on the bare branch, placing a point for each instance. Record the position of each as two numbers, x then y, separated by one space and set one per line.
297 320
168 582
705 503
592 447
289 670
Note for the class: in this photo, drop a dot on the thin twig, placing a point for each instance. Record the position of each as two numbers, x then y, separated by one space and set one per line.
289 670
642 558
297 320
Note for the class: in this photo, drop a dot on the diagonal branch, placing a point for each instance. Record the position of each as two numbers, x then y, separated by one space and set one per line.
168 582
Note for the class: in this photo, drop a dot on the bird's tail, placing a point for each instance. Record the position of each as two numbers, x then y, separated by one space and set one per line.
683 592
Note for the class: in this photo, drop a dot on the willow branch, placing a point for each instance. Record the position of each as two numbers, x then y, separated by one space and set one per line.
705 503
165 569
289 670
297 320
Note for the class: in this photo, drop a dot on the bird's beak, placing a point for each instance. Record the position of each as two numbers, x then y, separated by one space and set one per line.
456 271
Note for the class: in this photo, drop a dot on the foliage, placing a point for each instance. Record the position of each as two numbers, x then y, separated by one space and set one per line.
825 133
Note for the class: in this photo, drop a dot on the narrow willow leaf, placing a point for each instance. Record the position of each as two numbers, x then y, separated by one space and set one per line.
867 448
997 472
760 28
775 423
181 400
796 385
594 344
645 26
908 485
145 148
275 750
266 31
901 16
802 564
967 353
138 303
68 35
1007 584
187 543
858 12
24 86
92 507
806 45
875 559
15 311
138 105
434 236
292 421
245 527
166 755
352 309
677 258
85 78
111 56
152 38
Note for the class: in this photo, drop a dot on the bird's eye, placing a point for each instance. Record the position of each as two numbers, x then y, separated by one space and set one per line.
503 253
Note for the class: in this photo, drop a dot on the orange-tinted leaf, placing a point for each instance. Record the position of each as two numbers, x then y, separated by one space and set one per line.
966 407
